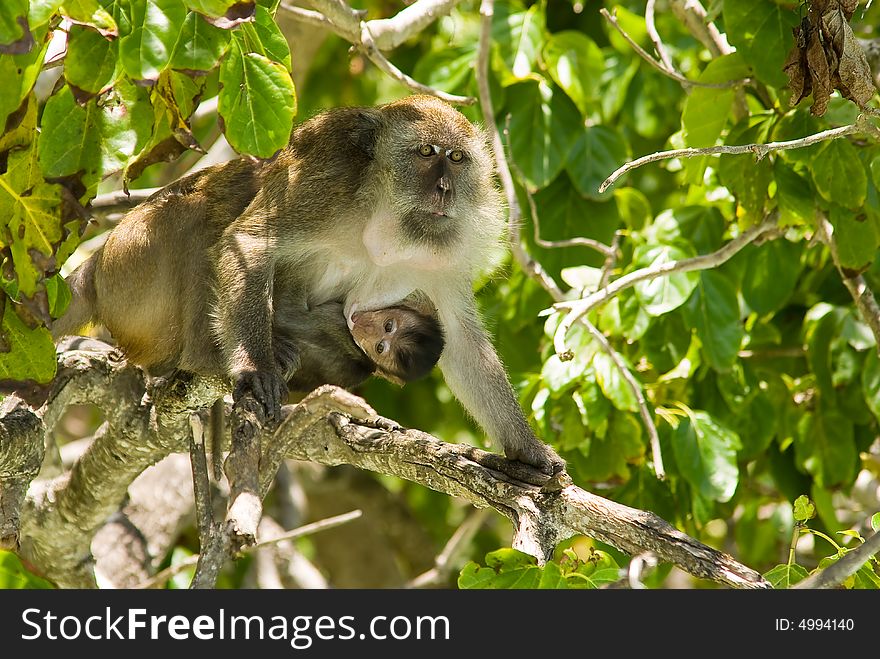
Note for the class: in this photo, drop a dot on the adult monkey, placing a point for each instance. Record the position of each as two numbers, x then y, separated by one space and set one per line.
366 205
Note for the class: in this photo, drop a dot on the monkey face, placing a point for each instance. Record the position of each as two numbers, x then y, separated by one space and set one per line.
404 344
437 175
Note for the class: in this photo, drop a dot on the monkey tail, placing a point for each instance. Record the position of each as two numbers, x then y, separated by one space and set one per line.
81 310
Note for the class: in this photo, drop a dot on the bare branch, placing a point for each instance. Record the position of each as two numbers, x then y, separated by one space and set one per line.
836 573
694 16
448 560
659 46
348 23
759 150
636 389
306 529
855 284
579 308
669 71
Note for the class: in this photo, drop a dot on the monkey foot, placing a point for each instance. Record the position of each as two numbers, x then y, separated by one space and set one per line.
259 395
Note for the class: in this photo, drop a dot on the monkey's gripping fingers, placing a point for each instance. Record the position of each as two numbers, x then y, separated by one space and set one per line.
537 454
261 394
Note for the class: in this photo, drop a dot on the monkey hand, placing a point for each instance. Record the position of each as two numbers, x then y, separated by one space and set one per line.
532 451
257 397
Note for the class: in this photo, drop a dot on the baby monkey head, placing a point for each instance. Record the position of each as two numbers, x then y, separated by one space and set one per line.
403 343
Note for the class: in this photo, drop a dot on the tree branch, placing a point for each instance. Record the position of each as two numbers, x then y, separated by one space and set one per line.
60 516
760 150
855 284
372 37
579 308
836 573
662 67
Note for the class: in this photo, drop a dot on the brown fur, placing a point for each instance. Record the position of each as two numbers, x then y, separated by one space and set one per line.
349 212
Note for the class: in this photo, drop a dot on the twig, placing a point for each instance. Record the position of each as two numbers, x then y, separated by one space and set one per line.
636 389
661 67
348 23
655 36
369 48
760 150
836 573
694 16
580 241
307 529
856 285
579 308
448 559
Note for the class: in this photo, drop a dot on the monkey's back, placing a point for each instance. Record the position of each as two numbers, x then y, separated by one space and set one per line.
152 279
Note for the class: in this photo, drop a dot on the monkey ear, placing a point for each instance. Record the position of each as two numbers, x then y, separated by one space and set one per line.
365 131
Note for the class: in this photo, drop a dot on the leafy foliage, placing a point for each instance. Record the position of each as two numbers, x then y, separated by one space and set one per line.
760 374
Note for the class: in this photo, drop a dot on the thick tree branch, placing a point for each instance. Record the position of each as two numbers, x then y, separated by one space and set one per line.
60 516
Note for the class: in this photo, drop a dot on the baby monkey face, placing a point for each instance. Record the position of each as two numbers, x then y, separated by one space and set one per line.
402 343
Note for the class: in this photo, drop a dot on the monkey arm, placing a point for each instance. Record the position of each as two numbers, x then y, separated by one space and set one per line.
476 376
245 271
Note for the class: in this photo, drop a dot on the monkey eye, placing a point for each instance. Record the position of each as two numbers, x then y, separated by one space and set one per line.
380 347
426 150
456 155
389 326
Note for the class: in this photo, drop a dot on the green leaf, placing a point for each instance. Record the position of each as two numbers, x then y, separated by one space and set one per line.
785 576
705 452
32 354
804 510
856 237
713 311
34 224
449 69
761 31
518 38
155 28
794 194
663 294
257 102
825 447
544 126
86 143
613 385
19 73
771 272
200 46
91 14
706 108
39 11
264 38
15 33
90 63
609 457
598 152
633 207
13 574
224 14
575 62
875 521
839 175
746 179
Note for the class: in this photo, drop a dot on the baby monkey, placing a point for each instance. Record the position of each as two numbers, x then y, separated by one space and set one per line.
397 343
